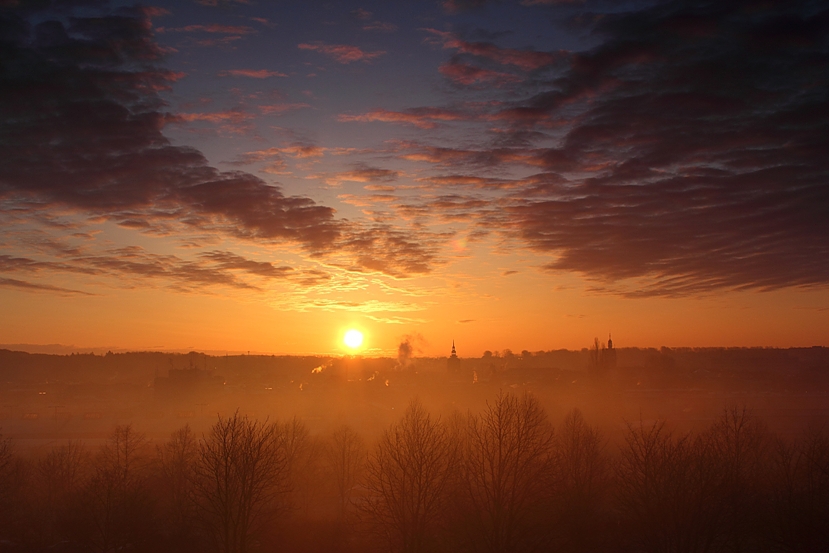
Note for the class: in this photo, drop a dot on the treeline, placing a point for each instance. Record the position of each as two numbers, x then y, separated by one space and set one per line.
501 480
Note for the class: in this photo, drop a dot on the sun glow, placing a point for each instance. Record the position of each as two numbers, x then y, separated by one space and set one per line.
353 339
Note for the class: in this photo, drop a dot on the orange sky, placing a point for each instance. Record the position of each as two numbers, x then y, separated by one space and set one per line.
265 176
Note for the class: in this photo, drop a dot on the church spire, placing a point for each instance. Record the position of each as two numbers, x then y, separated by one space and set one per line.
454 362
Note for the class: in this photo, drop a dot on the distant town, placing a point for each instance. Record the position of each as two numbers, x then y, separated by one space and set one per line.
83 395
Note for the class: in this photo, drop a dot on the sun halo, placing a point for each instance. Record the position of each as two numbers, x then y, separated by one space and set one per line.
353 338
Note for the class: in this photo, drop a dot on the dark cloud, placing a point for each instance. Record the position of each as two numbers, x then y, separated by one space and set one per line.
691 154
467 74
341 53
701 139
366 173
82 133
527 60
82 122
131 265
231 261
252 73
392 251
214 28
456 6
380 26
424 118
34 287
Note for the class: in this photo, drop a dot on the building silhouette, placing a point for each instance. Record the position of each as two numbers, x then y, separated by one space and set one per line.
453 364
609 355
601 357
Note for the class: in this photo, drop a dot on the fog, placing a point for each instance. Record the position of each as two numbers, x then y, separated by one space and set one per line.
627 449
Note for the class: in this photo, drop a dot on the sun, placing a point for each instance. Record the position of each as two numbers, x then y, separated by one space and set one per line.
353 338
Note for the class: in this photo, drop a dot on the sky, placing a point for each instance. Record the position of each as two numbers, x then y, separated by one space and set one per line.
248 175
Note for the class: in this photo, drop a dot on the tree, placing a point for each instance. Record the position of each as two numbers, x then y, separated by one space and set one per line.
800 494
406 478
177 463
345 458
739 443
582 478
7 485
115 508
241 475
506 460
667 490
60 476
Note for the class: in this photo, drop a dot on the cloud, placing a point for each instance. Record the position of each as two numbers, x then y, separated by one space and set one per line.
466 74
424 118
230 261
380 26
82 136
389 250
549 2
130 265
458 6
252 73
527 60
279 109
82 132
364 173
341 53
697 159
274 155
214 3
213 29
468 158
472 181
232 115
34 287
362 14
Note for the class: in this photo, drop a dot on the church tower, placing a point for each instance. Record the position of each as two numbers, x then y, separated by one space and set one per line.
609 355
453 364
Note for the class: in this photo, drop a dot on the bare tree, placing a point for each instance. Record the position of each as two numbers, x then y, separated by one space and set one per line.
301 456
115 510
7 485
668 491
59 477
507 456
345 458
739 442
406 478
241 476
800 493
582 478
177 463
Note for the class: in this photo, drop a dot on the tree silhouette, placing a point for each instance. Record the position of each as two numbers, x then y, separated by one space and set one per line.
177 463
7 484
800 496
115 508
507 459
582 479
667 491
406 478
739 443
241 475
59 476
345 459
